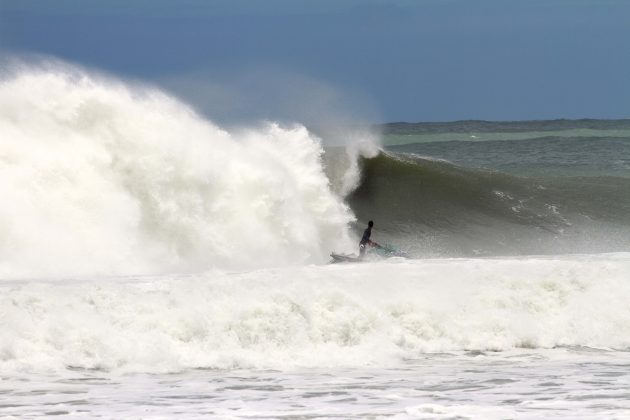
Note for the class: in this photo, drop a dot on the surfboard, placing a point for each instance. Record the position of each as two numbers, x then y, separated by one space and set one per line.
345 258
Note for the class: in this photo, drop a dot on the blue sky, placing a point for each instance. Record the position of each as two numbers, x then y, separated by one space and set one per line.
424 60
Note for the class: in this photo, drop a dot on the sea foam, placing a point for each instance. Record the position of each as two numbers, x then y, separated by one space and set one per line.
371 314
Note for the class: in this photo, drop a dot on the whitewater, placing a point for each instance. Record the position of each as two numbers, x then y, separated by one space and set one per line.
103 178
156 265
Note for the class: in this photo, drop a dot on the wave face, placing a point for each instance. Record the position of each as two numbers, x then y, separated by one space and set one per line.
313 316
434 207
99 177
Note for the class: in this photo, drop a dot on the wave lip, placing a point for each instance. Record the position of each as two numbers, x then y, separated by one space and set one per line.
314 316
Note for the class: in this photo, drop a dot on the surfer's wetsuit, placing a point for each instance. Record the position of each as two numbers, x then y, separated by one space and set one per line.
365 239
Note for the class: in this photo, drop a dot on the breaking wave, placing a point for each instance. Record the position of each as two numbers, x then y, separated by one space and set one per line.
102 177
434 207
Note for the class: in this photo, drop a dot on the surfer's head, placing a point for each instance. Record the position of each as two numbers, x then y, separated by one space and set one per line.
370 223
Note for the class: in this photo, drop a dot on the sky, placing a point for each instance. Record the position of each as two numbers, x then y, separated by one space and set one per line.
371 60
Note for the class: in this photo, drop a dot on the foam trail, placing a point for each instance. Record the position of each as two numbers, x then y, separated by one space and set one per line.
99 177
316 316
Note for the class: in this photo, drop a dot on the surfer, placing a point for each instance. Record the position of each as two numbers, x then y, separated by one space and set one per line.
365 240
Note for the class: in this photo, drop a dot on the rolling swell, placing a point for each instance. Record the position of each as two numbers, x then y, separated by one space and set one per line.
433 207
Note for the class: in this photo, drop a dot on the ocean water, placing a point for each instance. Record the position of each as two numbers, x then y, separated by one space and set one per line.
156 265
